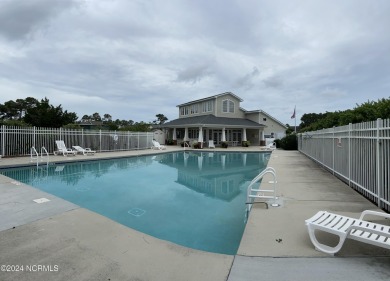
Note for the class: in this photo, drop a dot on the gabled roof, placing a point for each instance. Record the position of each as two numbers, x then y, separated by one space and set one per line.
210 98
266 114
212 121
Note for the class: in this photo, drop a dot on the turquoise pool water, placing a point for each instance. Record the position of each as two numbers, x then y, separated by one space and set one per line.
195 199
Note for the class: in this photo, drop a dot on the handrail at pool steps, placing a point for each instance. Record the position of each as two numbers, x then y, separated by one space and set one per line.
254 192
34 155
43 150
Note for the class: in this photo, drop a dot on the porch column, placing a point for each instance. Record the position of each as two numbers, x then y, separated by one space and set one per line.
185 134
174 134
244 134
223 135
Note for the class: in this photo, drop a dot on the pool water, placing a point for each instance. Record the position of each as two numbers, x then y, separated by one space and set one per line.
194 199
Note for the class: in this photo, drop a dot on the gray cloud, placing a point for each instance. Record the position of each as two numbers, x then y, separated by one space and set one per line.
246 81
134 59
20 19
193 74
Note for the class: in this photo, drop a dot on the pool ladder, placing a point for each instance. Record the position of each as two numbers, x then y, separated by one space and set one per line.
34 156
254 192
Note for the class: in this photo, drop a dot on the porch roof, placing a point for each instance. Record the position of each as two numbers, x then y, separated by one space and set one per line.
212 121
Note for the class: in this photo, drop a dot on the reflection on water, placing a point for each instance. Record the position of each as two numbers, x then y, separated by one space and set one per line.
218 175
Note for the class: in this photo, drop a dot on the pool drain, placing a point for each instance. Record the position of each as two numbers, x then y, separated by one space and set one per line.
136 212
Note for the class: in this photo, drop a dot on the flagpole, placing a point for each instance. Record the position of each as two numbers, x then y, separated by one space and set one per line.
295 117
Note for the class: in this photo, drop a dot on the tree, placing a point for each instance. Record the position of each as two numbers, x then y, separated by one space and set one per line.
45 115
368 111
160 119
15 110
107 117
96 117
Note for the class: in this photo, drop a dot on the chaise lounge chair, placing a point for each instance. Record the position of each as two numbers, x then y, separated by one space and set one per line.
346 227
63 150
157 145
85 151
211 144
271 146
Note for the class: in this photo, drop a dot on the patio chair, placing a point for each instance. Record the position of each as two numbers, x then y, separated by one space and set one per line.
63 150
211 144
157 145
85 151
346 227
271 146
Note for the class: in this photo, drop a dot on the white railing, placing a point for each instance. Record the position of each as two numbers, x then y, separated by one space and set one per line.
358 154
44 154
254 192
17 141
33 155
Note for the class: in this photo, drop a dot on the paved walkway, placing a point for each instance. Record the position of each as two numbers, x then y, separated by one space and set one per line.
61 241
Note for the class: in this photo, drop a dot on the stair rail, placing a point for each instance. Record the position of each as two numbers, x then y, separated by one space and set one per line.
262 193
34 155
44 151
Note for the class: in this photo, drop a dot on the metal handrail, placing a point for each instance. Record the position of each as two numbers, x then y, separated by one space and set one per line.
43 150
268 170
33 154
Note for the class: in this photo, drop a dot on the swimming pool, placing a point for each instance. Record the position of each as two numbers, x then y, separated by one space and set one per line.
194 199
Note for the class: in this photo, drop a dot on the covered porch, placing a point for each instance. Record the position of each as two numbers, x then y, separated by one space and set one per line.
233 131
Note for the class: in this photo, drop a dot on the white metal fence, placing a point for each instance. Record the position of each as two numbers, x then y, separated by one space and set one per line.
359 154
17 141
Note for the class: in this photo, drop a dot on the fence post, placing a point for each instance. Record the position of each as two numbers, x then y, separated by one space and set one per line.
100 139
349 153
378 154
34 135
2 140
333 145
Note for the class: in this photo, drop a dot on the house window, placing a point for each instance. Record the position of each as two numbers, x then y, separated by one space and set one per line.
194 108
227 106
264 119
184 110
208 106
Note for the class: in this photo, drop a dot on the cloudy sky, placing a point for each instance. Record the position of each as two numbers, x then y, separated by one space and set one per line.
134 59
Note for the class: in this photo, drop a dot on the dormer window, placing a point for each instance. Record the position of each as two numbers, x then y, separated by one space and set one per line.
208 106
227 106
194 108
184 110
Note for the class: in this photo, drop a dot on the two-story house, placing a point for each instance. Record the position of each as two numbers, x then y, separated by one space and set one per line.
220 118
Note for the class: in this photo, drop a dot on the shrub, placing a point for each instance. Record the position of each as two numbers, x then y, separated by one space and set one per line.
196 145
170 142
289 142
246 143
224 144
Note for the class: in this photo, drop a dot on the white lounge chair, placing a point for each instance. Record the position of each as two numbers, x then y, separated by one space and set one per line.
346 227
271 146
63 150
157 145
85 151
211 144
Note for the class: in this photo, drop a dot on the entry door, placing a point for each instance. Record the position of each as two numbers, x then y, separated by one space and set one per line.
217 136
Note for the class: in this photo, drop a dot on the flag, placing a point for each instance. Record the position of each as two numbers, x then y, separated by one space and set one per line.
293 116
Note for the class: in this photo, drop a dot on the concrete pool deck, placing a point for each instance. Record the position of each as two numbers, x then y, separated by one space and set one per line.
58 240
